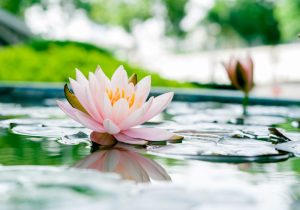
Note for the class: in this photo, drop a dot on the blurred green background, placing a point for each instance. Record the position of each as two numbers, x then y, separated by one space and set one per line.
30 54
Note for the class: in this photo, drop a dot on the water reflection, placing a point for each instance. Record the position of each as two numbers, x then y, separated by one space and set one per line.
126 162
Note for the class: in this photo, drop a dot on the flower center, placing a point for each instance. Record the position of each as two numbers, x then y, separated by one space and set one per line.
118 94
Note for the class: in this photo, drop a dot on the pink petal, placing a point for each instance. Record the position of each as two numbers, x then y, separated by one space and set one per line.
107 107
151 134
88 122
136 117
80 78
68 109
129 89
119 79
102 78
129 140
110 127
94 111
142 89
120 111
158 105
97 93
80 93
248 66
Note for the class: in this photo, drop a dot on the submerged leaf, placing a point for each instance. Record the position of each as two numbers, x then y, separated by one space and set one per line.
72 99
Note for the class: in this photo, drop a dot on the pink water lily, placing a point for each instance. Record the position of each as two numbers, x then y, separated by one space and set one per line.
240 73
114 108
127 163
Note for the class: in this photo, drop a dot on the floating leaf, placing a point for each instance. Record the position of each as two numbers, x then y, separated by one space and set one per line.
291 146
176 139
281 137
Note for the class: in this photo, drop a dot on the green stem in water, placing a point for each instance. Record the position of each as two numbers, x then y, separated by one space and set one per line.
245 104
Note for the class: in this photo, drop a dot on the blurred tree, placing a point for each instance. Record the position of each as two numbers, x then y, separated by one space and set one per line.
288 15
124 13
17 7
121 12
175 13
128 12
254 20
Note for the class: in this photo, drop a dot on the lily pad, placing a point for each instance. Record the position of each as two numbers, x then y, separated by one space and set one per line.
291 146
225 154
43 131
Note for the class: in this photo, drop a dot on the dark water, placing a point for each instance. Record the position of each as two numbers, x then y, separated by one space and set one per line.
39 146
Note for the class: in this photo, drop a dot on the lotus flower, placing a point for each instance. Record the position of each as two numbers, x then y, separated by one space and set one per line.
126 162
114 109
240 73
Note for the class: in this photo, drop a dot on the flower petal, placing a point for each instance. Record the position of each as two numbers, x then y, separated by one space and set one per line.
136 117
88 122
80 78
96 90
129 140
80 93
67 108
107 107
120 110
94 111
151 134
119 79
158 105
142 90
110 127
101 77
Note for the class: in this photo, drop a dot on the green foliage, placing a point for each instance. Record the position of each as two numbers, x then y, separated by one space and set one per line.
288 15
42 45
17 7
55 61
254 21
120 12
175 13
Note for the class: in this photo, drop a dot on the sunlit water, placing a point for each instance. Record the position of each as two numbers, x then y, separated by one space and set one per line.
39 147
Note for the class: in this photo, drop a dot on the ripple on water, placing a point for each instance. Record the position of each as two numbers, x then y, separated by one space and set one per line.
47 188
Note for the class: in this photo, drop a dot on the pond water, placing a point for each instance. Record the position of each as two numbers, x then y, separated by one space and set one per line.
224 162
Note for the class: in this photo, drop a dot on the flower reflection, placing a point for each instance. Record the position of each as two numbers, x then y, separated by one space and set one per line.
126 162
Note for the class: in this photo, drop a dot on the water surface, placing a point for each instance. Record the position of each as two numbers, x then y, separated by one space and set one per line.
39 147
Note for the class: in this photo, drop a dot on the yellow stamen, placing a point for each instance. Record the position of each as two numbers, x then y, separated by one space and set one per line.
131 102
117 95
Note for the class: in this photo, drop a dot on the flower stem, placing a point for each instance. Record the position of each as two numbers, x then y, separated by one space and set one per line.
245 104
